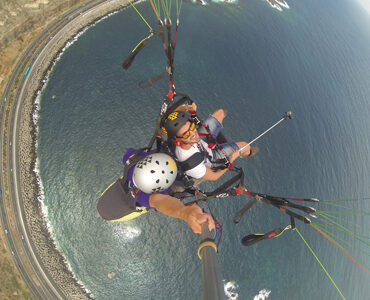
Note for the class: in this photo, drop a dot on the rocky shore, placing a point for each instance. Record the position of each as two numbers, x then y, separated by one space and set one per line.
50 257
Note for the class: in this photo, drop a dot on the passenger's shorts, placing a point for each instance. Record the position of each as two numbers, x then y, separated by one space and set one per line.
215 127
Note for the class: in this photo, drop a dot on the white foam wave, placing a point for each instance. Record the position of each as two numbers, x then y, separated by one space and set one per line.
283 3
262 295
278 4
203 2
230 289
225 1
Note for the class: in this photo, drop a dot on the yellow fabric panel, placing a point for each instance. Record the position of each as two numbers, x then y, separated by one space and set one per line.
131 216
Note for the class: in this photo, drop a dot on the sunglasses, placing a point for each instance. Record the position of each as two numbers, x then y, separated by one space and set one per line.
187 133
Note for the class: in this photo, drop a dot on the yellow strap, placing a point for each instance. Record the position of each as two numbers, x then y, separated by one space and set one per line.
206 244
130 216
288 227
140 15
144 39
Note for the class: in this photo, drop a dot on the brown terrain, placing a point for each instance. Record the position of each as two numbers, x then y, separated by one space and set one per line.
20 22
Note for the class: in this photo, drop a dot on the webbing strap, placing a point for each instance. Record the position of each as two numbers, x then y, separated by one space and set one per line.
174 106
132 160
223 190
238 177
157 131
216 144
193 161
147 83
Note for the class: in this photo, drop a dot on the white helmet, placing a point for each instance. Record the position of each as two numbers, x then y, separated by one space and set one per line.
155 173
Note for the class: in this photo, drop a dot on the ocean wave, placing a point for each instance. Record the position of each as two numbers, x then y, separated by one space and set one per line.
262 295
230 289
225 1
44 210
278 4
203 2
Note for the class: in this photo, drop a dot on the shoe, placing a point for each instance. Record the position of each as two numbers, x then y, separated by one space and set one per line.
254 151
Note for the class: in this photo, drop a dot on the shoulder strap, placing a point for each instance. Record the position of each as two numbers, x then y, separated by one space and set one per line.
192 161
132 160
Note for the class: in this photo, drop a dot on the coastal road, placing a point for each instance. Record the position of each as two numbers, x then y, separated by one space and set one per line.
18 237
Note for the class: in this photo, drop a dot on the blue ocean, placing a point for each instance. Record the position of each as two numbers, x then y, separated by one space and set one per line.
257 62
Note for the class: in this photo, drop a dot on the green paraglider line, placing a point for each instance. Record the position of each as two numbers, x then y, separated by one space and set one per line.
346 221
344 200
141 16
347 208
178 8
313 253
166 8
341 249
334 227
344 228
156 9
341 213
340 239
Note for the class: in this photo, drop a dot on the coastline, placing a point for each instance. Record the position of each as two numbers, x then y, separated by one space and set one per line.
53 260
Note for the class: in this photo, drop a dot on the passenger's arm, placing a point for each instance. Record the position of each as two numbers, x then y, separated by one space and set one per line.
171 206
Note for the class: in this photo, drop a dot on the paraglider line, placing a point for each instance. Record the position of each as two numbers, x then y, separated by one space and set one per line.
313 253
341 249
141 15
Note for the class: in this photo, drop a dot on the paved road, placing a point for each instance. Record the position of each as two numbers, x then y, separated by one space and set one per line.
39 282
